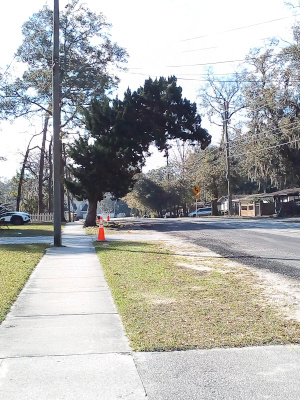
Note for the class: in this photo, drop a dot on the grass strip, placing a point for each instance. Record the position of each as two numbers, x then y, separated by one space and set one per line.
110 227
16 264
167 307
29 230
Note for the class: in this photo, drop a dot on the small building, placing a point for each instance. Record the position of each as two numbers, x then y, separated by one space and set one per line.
222 204
282 202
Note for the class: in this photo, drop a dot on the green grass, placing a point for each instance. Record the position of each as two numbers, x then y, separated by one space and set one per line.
27 230
16 265
167 307
110 227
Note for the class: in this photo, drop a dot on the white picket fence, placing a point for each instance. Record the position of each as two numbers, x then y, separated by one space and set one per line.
44 217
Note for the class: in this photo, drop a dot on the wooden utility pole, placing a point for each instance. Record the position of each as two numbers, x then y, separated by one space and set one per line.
56 128
225 128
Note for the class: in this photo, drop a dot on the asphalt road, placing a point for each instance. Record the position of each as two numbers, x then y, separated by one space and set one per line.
266 244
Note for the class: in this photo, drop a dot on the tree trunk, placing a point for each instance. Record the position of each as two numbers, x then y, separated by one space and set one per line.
50 187
41 206
22 178
62 187
68 178
91 213
214 207
22 173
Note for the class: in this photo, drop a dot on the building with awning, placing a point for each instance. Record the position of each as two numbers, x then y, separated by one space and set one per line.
283 202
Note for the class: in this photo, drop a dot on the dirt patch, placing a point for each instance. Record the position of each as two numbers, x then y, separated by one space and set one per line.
280 291
159 299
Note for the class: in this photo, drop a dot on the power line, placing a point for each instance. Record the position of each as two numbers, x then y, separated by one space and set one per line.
216 47
288 125
265 148
201 64
239 28
209 150
191 65
204 48
183 77
247 152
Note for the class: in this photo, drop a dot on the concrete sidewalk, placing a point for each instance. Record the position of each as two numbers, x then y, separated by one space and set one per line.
63 338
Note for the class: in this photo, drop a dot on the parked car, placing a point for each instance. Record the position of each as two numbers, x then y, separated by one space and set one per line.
201 212
14 217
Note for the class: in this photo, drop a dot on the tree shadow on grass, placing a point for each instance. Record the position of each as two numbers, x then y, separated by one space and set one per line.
19 232
24 247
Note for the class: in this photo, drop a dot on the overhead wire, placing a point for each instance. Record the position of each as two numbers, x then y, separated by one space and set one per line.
239 28
230 81
256 151
288 125
180 77
205 48
265 148
130 69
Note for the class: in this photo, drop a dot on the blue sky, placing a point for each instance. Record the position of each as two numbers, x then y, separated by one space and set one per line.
162 37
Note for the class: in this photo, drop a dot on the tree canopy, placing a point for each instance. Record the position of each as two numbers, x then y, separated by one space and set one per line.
86 53
119 134
86 57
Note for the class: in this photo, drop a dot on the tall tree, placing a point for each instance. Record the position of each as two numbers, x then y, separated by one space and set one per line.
270 146
86 55
220 100
151 196
119 136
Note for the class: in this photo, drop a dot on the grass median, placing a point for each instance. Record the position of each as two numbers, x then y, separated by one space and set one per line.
16 264
165 306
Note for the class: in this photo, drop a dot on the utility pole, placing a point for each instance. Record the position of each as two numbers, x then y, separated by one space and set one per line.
225 129
56 128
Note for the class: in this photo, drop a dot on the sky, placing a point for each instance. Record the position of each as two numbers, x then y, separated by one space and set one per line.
163 38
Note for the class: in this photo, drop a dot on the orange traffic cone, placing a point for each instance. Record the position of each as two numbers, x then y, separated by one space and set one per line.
101 236
107 217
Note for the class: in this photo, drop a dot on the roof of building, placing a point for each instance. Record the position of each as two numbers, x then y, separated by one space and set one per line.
285 192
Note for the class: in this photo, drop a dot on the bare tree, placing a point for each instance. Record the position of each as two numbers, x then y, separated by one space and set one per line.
220 100
24 165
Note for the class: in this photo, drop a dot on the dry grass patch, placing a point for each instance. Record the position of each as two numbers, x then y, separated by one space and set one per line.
165 306
16 264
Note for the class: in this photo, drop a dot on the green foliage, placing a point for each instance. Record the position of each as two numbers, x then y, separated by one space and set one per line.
271 143
157 113
209 172
113 151
29 201
110 204
151 195
98 170
5 191
85 54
